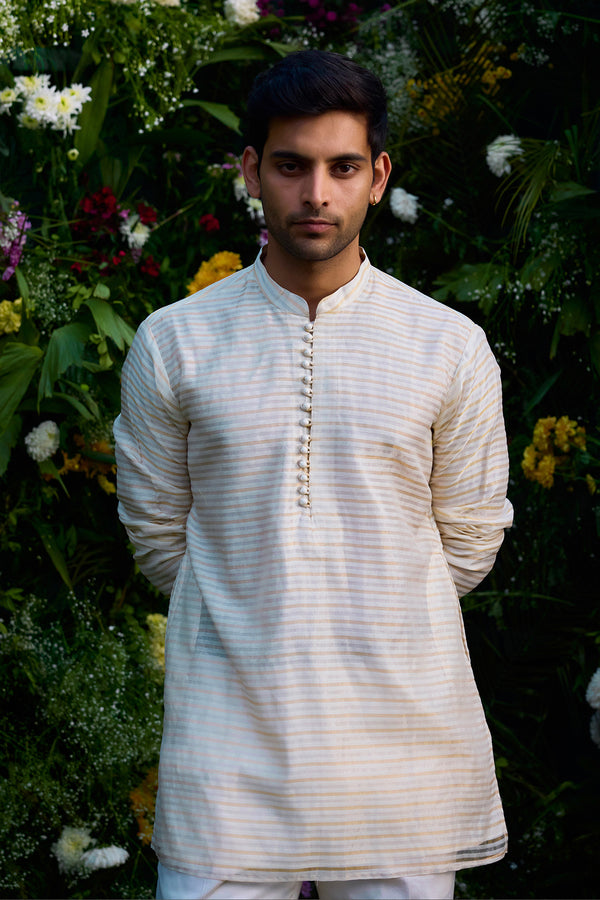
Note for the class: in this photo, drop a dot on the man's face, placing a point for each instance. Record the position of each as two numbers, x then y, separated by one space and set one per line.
315 181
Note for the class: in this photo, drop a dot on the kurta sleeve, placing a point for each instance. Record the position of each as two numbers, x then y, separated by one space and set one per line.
153 483
470 466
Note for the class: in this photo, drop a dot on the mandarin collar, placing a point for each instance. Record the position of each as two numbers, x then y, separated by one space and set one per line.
293 303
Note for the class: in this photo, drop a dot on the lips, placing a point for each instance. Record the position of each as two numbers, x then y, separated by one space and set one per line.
315 226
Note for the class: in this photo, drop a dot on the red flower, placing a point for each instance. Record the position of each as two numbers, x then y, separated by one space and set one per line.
209 222
146 213
149 266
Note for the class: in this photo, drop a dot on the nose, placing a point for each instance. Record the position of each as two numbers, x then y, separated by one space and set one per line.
315 189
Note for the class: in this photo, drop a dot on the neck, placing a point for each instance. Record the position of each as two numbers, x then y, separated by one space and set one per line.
311 279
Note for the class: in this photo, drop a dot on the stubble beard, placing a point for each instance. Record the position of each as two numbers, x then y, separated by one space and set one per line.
312 248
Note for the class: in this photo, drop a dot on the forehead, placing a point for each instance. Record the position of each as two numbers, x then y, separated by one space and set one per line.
329 134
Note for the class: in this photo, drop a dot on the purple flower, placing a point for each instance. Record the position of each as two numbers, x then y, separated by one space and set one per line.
13 226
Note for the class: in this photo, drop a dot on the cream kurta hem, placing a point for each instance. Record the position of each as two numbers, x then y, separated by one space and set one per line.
313 496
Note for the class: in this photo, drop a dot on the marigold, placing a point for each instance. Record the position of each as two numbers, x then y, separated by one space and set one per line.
568 432
217 267
542 438
545 470
143 803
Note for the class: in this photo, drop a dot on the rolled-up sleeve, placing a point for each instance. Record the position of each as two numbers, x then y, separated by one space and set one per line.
470 467
153 484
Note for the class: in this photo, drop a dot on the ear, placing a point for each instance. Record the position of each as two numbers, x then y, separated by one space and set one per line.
250 166
381 173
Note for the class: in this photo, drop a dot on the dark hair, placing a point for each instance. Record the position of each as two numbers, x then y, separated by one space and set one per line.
312 82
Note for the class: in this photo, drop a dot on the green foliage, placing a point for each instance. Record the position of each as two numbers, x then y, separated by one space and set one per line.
122 211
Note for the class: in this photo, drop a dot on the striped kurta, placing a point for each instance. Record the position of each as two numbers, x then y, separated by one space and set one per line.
315 497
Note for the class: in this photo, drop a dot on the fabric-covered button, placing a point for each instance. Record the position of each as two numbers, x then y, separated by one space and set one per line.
302 476
304 501
308 351
303 463
306 364
306 406
306 423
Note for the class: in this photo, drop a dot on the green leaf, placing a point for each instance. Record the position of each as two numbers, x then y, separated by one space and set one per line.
468 283
91 117
18 363
542 391
566 190
8 439
102 291
575 316
242 52
537 271
219 111
595 352
75 403
22 283
54 552
65 348
110 323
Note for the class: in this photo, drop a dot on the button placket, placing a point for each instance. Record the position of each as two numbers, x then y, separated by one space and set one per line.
305 421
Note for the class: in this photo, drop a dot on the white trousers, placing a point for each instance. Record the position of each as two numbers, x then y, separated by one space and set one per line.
174 885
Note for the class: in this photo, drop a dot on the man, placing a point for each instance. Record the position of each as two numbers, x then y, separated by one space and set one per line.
312 462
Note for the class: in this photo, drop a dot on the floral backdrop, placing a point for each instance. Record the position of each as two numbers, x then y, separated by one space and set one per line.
120 192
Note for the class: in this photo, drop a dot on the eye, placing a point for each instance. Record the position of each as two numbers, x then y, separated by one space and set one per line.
345 169
289 168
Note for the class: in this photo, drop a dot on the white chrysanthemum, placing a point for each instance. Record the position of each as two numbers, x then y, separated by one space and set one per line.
241 12
79 93
404 206
592 695
43 106
27 121
595 728
69 848
42 442
500 151
135 232
104 858
26 85
7 97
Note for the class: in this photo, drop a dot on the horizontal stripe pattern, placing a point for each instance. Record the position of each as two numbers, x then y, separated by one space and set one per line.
315 500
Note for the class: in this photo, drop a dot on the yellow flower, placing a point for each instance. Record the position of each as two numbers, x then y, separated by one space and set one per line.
157 625
109 487
545 470
568 432
143 803
217 267
529 461
10 315
542 434
591 483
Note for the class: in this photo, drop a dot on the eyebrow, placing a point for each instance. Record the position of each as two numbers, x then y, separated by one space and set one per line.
340 157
